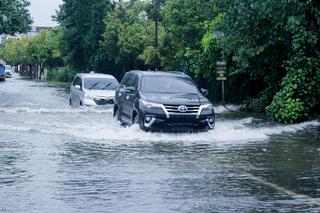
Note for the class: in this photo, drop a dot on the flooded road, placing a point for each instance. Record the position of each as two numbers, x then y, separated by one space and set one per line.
54 158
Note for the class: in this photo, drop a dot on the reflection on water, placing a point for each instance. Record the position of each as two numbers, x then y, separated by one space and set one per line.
54 158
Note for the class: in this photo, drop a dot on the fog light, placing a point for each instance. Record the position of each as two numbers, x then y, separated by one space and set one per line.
211 120
148 118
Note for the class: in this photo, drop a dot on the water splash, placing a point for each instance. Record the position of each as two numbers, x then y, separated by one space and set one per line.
103 127
68 110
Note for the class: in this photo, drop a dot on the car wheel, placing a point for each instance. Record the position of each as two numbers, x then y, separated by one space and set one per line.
136 120
70 102
208 128
116 115
81 104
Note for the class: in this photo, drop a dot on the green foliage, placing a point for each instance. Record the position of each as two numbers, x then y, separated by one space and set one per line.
82 22
300 87
263 99
15 51
273 48
65 74
185 25
42 49
125 36
14 17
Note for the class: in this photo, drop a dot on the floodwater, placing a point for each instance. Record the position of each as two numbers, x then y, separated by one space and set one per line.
54 158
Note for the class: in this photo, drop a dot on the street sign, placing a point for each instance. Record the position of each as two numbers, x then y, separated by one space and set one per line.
221 63
221 68
221 71
221 75
221 78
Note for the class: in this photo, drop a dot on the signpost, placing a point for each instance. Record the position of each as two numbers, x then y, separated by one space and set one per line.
222 75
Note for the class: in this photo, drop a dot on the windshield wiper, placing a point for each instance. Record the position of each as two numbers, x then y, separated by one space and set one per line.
106 86
94 85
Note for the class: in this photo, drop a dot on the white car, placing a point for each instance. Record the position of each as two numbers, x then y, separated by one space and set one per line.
8 72
93 90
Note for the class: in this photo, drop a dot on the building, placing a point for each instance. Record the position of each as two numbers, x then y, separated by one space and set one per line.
34 31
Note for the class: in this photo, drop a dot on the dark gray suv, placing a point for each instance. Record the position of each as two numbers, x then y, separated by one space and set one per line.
162 100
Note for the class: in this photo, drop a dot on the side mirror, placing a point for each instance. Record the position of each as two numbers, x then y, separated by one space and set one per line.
130 89
204 92
77 87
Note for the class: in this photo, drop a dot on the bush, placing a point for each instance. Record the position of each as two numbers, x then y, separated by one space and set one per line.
299 88
65 74
286 109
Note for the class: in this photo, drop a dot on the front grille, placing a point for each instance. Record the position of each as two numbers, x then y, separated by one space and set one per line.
191 109
103 101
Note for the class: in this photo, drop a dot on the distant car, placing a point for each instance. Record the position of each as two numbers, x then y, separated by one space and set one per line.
93 90
161 100
8 72
2 71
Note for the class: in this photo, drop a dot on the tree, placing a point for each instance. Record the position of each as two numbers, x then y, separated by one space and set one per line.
14 17
42 49
125 36
273 52
83 25
300 88
185 25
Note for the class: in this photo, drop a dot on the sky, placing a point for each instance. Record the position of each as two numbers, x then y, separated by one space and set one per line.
42 10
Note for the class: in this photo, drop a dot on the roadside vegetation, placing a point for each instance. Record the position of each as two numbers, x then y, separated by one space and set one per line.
271 47
14 17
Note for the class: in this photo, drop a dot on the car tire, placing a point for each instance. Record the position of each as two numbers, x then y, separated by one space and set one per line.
70 102
207 129
136 120
81 104
116 115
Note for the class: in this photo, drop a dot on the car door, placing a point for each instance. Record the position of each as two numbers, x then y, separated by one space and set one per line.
120 94
77 92
80 93
130 96
72 90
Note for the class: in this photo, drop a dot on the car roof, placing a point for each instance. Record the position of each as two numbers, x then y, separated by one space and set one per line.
159 73
95 75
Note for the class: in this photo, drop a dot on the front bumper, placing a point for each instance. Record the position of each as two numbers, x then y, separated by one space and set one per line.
98 102
158 118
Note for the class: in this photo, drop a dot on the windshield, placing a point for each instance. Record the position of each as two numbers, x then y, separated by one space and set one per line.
100 84
167 84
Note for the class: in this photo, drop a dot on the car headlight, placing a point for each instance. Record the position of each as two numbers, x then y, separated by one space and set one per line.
88 96
149 105
207 106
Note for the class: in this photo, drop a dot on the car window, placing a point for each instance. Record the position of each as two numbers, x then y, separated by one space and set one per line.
100 83
125 78
170 84
77 81
132 81
80 82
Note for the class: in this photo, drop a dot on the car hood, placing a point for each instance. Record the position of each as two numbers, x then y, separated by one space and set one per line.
175 98
101 93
